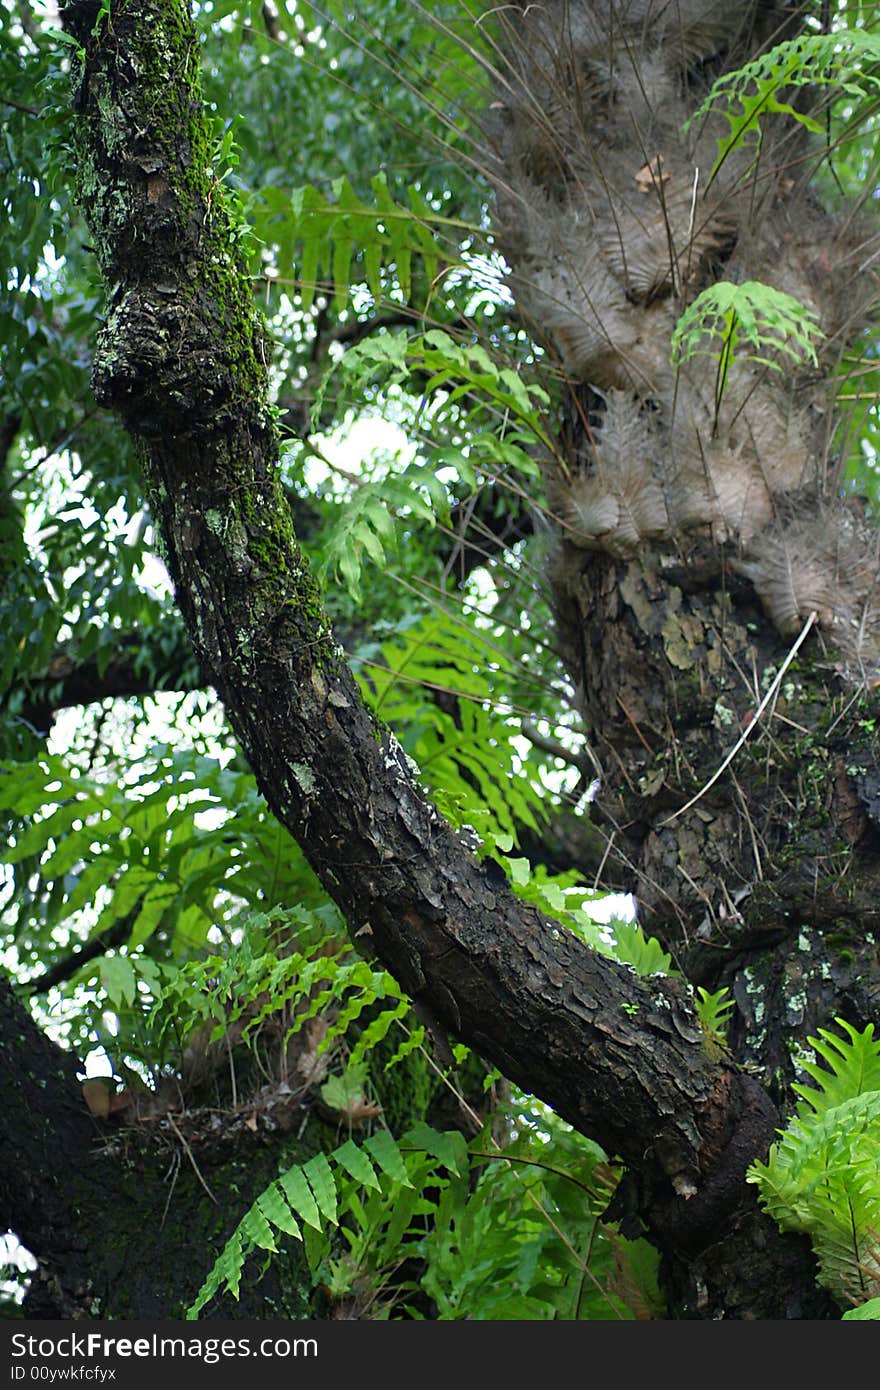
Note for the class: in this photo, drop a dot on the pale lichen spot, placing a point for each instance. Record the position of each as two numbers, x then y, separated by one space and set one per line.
304 778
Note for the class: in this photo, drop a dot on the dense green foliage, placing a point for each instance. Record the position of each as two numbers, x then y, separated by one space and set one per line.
821 1177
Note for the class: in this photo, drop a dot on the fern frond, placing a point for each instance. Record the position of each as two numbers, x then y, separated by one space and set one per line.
325 238
713 1011
366 527
749 322
823 1175
853 1067
469 762
327 1189
486 422
334 984
842 59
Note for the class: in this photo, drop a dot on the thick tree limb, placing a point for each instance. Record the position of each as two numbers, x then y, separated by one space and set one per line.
46 1144
138 668
182 358
116 1213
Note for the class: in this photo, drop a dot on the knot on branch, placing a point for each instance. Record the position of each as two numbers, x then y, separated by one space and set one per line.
163 365
692 1223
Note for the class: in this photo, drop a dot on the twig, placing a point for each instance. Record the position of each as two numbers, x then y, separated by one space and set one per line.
609 843
637 731
19 106
189 1154
747 731
576 758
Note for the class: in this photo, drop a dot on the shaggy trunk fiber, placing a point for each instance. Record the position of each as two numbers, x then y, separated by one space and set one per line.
702 533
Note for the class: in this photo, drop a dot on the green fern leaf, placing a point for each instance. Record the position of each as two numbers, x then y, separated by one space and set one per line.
388 1156
256 1228
823 1175
447 1145
273 1206
643 953
322 1183
355 1162
842 58
225 1272
299 1194
377 1030
853 1066
409 1045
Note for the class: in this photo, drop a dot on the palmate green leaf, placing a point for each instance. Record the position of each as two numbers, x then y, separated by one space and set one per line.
346 1090
643 953
751 320
119 979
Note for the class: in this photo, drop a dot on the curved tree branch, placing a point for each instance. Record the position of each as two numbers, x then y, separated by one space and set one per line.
139 667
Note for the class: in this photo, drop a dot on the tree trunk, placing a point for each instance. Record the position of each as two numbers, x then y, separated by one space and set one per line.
663 637
696 543
126 1220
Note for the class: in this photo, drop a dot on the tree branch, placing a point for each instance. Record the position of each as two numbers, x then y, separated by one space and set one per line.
63 969
141 667
46 1140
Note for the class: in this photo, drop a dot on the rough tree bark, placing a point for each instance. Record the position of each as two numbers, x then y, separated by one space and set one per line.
662 637
121 1223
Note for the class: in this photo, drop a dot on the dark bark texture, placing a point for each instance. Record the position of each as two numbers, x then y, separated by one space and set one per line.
121 1223
663 630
